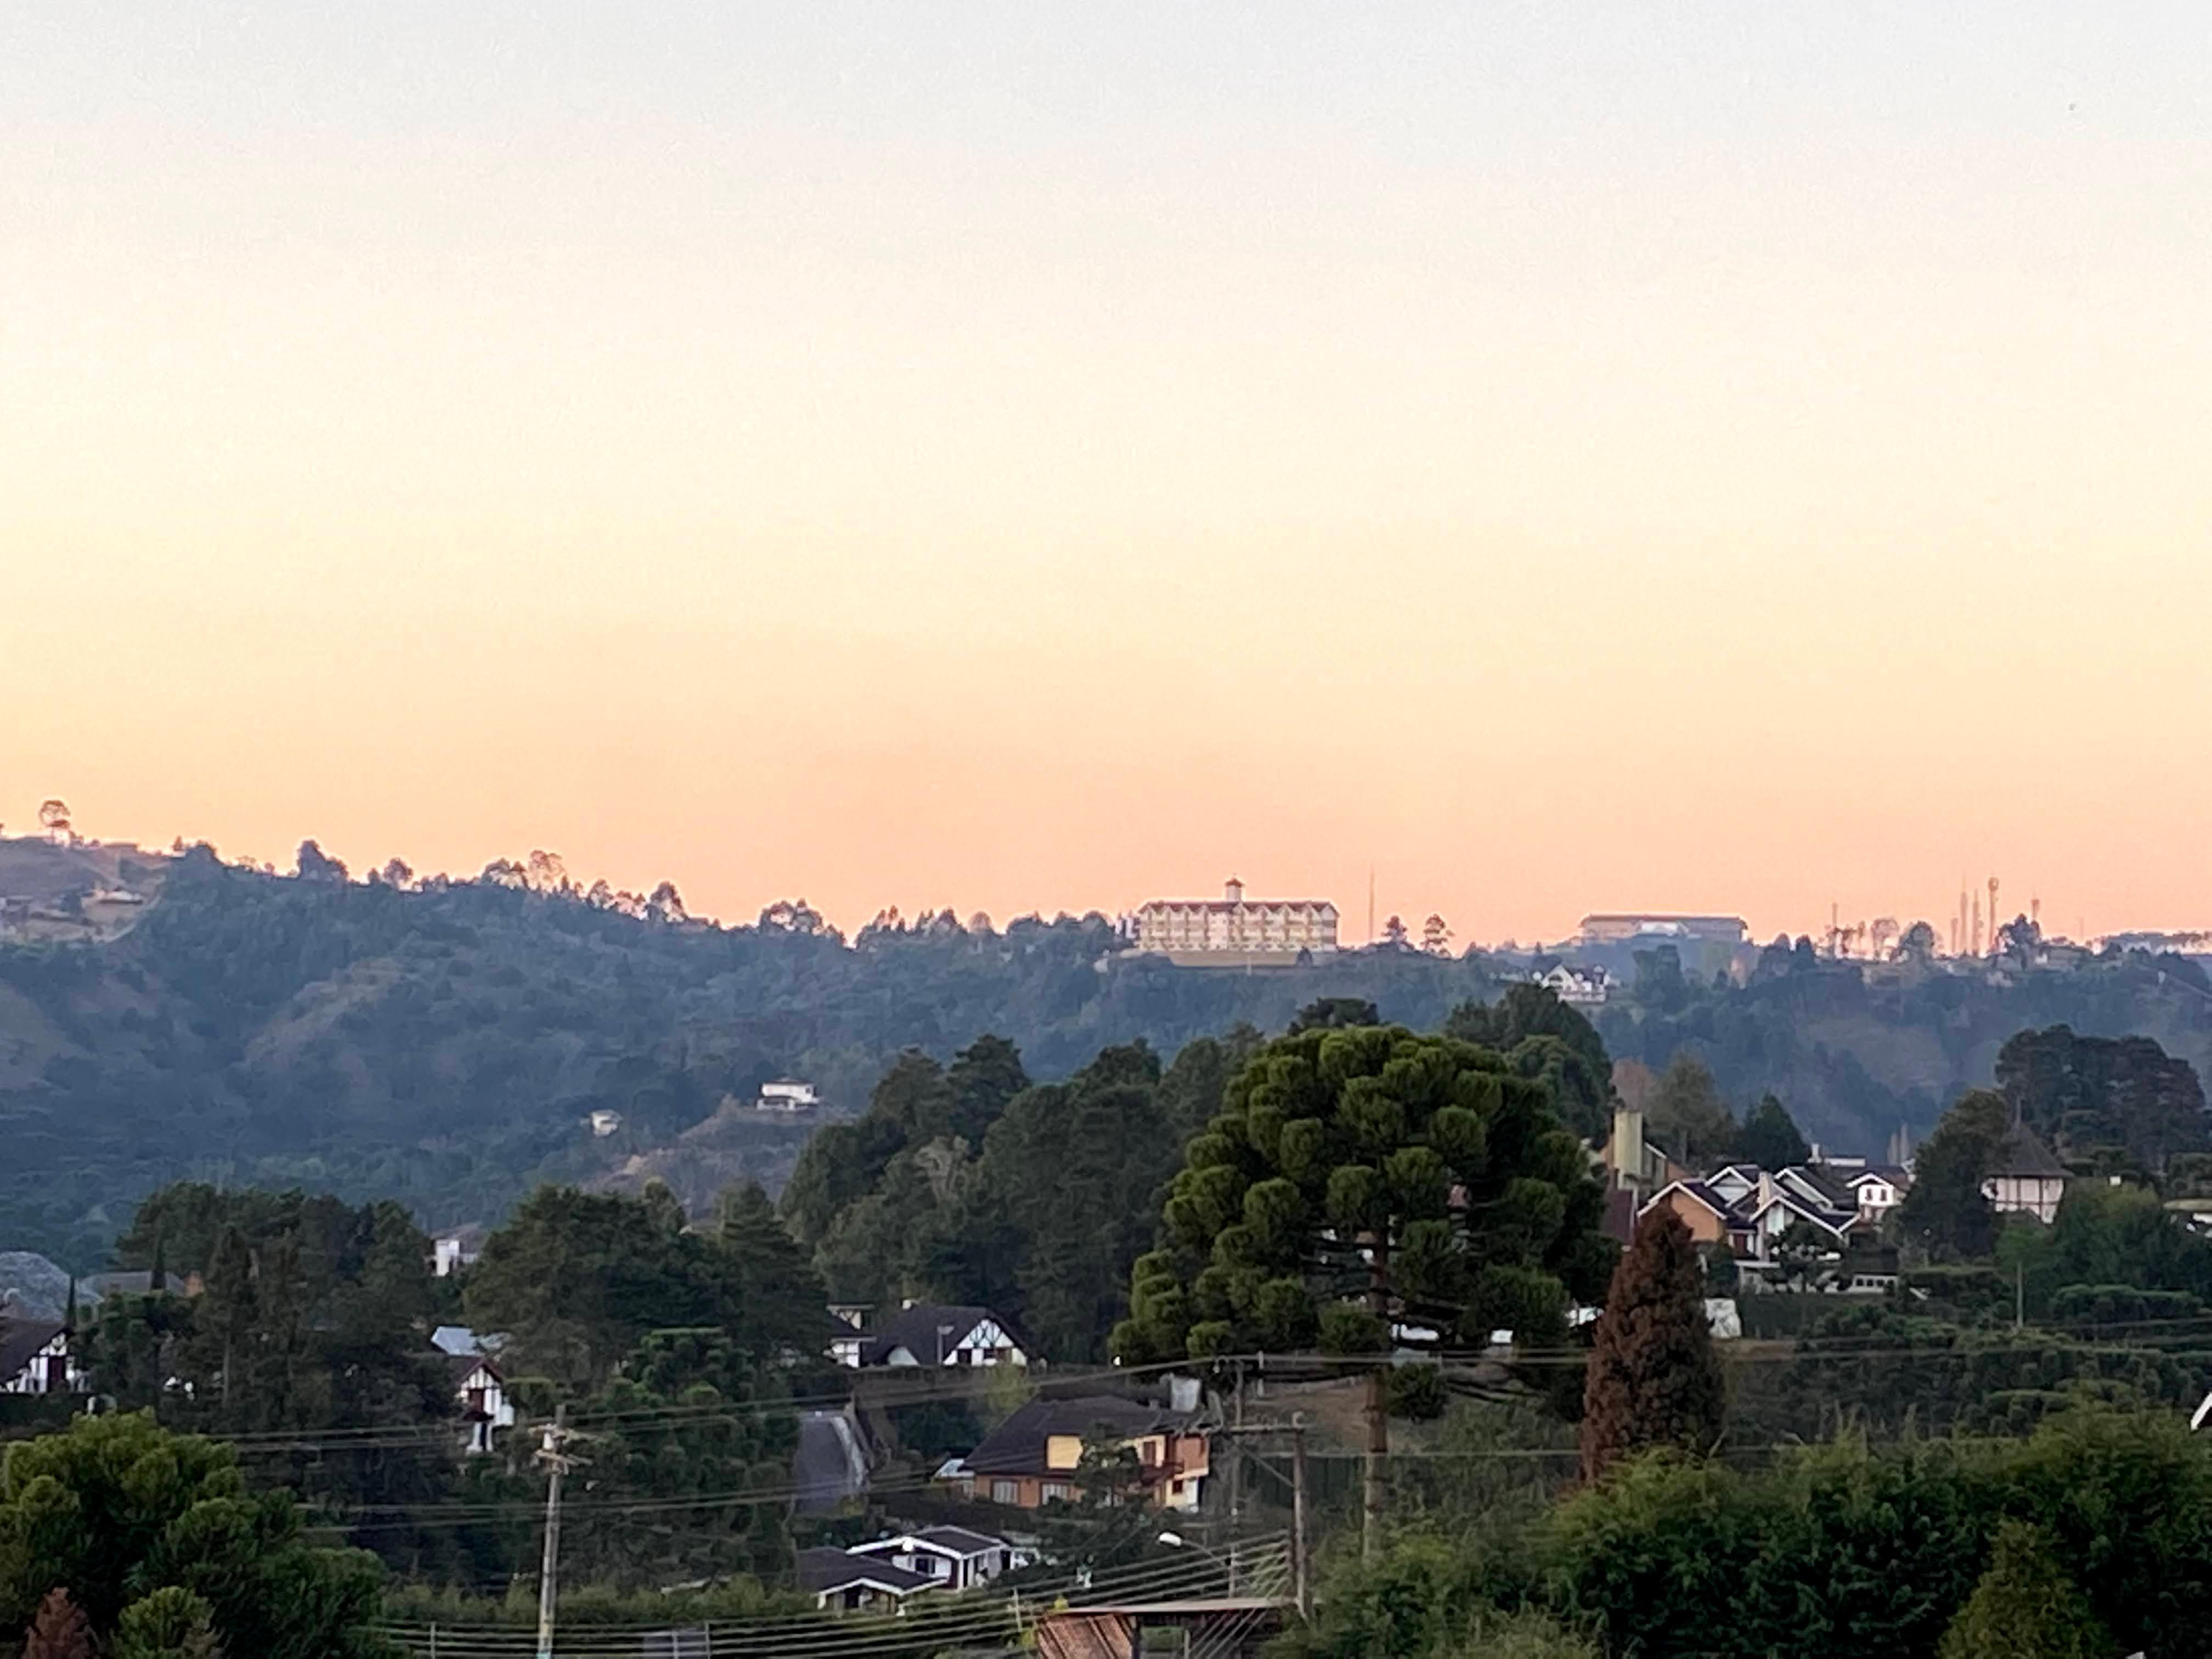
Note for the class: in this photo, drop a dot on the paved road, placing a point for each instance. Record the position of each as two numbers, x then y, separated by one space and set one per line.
830 1466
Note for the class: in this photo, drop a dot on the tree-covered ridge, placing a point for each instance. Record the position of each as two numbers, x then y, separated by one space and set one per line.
441 1042
1859 1051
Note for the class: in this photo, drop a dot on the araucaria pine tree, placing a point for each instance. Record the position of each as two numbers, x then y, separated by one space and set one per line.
1653 1378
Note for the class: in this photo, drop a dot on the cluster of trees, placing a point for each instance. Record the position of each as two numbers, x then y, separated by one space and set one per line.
683 1349
970 1184
295 1323
119 1537
438 1041
2084 1540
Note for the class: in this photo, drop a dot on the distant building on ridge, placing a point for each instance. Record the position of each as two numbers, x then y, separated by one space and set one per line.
1605 928
1235 931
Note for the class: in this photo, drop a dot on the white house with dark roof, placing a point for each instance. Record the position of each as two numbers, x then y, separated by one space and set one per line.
2024 1177
925 1335
478 1385
956 1557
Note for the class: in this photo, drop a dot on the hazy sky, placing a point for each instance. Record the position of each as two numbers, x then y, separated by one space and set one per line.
1042 456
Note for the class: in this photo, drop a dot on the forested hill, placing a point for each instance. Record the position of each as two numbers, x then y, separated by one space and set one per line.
444 1041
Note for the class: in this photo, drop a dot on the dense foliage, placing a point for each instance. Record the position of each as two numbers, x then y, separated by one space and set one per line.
1837 1548
149 1532
968 1184
441 1042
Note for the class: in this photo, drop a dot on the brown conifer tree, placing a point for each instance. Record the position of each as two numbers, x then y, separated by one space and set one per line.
60 1632
1653 1378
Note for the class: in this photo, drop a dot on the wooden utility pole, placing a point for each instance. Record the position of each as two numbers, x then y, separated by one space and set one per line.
553 1454
1301 1573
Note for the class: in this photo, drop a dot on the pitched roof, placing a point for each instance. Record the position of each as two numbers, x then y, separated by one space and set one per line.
1017 1445
946 1540
1890 1174
1836 1221
918 1330
1697 1190
1833 1188
2022 1154
21 1340
834 1570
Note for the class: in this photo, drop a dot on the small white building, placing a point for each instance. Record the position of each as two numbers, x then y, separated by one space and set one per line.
604 1123
1584 987
451 1252
786 1094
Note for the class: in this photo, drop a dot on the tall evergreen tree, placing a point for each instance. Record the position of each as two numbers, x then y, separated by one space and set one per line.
1769 1137
1945 1210
1653 1378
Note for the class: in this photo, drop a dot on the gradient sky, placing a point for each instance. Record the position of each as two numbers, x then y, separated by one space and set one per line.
1044 456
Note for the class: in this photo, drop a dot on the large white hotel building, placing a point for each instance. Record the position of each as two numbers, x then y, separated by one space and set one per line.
1233 931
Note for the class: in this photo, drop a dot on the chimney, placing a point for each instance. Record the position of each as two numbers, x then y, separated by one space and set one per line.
1234 890
1628 1148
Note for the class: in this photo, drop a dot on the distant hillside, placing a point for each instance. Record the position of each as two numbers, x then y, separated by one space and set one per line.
446 1042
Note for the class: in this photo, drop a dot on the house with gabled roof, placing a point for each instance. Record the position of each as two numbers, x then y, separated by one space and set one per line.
35 1358
956 1557
843 1583
927 1335
2024 1177
1035 1456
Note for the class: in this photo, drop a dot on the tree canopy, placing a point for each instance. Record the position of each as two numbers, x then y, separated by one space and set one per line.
1769 1137
1363 1179
120 1513
1945 1209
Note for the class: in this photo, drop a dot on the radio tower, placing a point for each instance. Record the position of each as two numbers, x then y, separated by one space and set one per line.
1993 913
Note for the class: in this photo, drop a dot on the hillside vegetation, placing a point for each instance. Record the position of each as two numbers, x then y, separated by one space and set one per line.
444 1041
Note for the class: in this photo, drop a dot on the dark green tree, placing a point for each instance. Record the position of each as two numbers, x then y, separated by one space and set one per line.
1687 1114
2084 1093
1945 1211
1334 1013
1769 1137
1653 1378
575 1279
1361 1178
119 1509
171 1623
1544 1038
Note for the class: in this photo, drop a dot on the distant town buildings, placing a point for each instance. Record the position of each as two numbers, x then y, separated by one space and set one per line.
1233 931
1619 928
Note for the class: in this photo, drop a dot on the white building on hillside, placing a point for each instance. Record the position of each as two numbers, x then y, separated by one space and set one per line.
1234 931
788 1095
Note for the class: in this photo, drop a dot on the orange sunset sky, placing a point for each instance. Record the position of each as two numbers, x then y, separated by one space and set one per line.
1041 457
